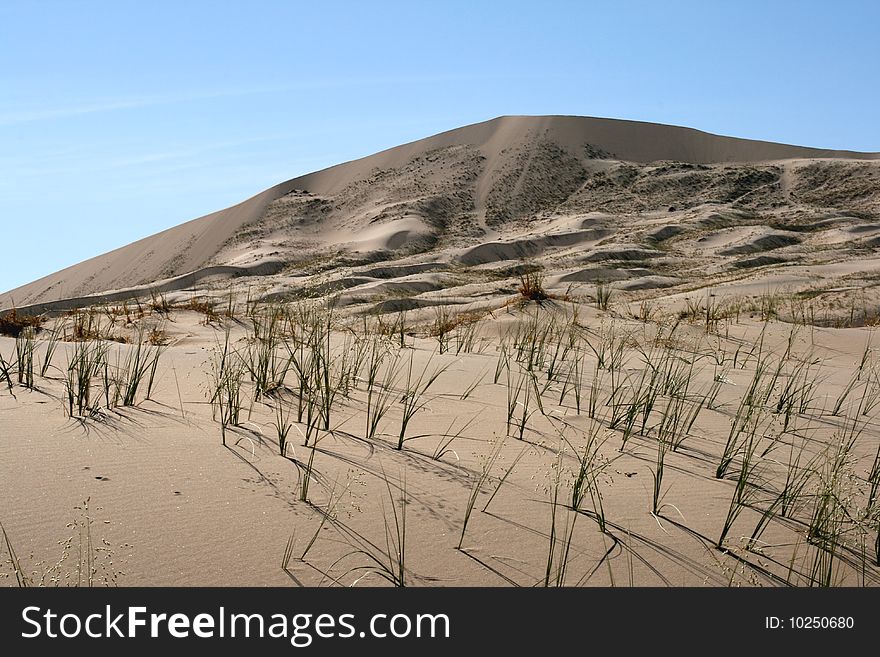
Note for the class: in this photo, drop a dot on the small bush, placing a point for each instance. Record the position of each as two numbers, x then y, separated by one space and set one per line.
157 337
159 303
13 324
532 286
205 307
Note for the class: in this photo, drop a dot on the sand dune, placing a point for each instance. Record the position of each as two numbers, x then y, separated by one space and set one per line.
477 180
633 354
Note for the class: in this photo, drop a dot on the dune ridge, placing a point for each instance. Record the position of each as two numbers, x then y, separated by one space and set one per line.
461 188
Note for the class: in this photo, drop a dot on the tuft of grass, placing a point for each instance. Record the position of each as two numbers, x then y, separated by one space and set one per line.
395 541
380 394
413 394
743 489
444 445
748 416
6 372
831 513
531 286
306 471
267 368
159 302
604 292
646 311
24 351
205 307
591 467
519 395
282 424
227 371
157 337
84 364
657 473
396 328
442 327
388 563
51 346
136 370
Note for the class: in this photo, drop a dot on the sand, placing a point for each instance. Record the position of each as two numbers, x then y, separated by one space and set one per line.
175 506
739 254
474 185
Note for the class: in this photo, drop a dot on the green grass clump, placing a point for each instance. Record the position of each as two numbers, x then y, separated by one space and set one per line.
83 366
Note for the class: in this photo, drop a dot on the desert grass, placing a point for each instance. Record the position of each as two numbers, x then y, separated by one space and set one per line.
159 303
380 389
872 507
748 417
51 346
561 534
262 357
327 513
83 366
658 491
388 562
502 363
531 286
6 369
307 471
282 424
21 577
134 372
444 445
830 515
205 306
644 386
227 371
653 392
604 292
443 326
743 488
487 463
85 325
583 482
466 333
24 352
395 328
589 475
521 396
414 398
853 381
13 323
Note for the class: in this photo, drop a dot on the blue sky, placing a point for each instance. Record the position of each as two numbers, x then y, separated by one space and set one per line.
119 119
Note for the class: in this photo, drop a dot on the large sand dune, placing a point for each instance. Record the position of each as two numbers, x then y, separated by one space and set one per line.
463 186
567 351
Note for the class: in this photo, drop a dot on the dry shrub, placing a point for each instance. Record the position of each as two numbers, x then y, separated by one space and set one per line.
532 286
13 323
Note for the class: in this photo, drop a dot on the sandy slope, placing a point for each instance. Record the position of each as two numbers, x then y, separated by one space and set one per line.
462 186
721 256
171 505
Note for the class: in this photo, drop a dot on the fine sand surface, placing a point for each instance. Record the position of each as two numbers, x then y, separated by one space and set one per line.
172 505
654 354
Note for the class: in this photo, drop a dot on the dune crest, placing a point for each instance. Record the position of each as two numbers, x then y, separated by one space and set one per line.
474 194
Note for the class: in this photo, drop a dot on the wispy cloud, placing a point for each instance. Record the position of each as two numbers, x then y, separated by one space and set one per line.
11 115
34 114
